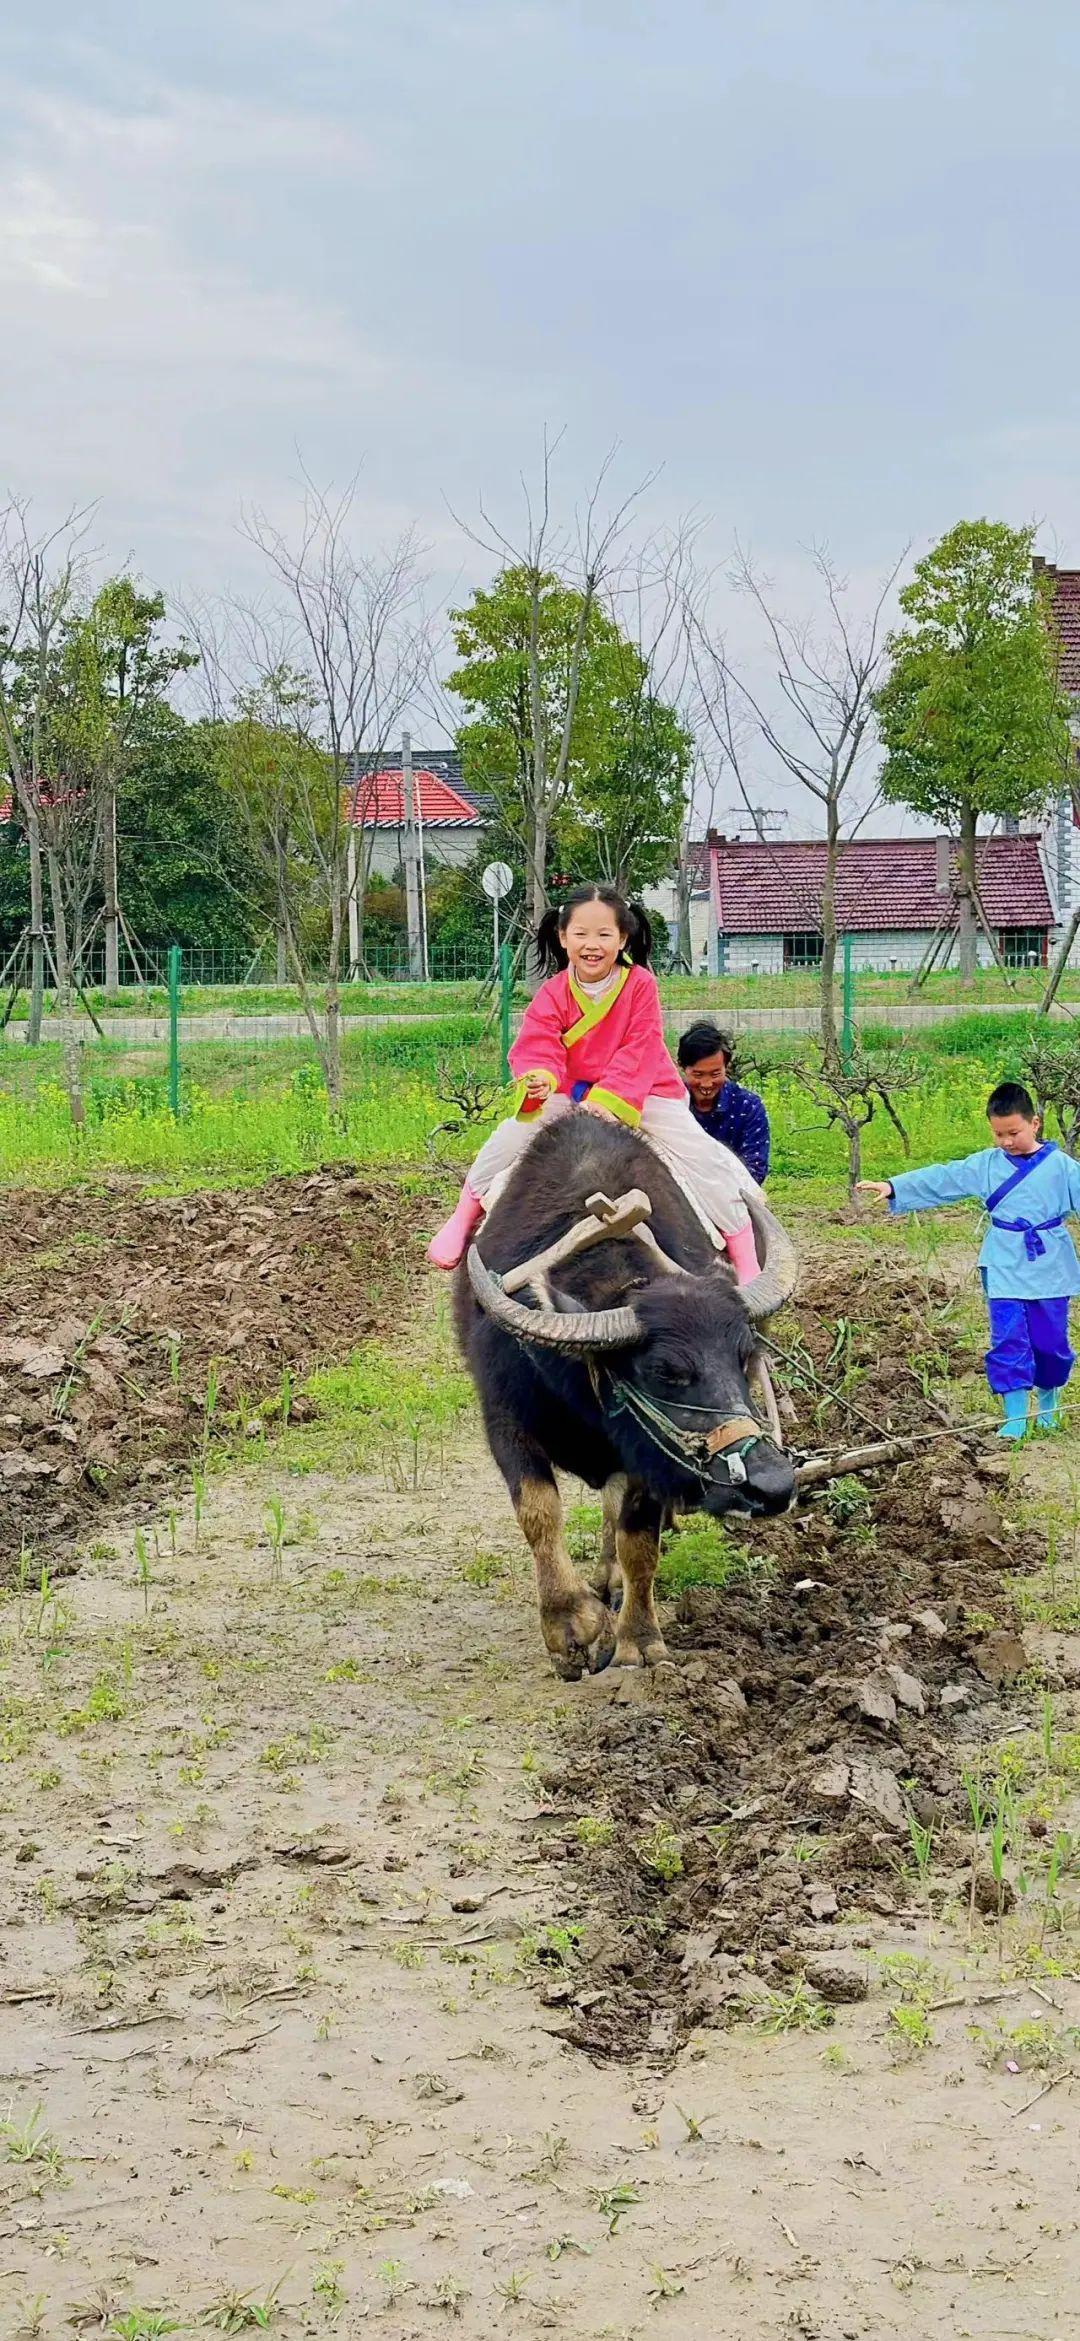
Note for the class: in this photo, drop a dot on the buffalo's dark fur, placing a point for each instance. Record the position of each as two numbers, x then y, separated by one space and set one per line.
540 1406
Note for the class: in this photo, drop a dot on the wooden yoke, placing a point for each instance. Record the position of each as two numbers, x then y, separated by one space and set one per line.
606 1219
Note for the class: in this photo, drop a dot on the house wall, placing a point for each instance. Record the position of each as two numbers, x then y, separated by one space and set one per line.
662 899
1061 856
879 952
450 847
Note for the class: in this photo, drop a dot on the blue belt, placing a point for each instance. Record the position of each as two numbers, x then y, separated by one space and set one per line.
1032 1235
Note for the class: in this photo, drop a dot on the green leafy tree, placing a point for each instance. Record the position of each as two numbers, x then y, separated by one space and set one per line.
125 667
385 917
459 912
187 874
564 733
622 823
971 715
285 787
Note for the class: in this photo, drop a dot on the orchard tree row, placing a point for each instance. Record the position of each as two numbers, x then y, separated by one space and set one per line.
200 773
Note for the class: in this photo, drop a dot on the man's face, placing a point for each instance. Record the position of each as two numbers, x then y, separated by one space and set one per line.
706 1079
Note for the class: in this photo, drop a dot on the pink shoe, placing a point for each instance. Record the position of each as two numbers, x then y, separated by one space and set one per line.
451 1242
742 1253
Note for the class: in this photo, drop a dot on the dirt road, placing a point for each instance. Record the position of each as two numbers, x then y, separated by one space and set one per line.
315 1880
283 1914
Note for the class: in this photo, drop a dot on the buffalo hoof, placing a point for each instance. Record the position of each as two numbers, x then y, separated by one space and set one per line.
578 1635
646 1647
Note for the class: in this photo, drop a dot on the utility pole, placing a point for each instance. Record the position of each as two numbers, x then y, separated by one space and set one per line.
354 906
412 871
425 956
111 890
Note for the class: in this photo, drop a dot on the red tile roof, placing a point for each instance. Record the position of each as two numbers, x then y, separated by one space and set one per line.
882 882
1065 584
379 801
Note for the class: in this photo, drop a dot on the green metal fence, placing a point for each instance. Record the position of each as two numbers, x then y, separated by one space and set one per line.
180 1048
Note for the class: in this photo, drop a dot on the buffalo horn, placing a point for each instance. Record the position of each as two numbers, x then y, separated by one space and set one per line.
775 1280
548 1328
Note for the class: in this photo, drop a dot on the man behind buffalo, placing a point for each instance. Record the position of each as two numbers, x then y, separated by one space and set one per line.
728 1112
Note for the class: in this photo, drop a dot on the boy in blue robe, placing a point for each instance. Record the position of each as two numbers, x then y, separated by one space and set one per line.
1028 1263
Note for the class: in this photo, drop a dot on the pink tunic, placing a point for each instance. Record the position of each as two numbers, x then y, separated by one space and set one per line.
615 1045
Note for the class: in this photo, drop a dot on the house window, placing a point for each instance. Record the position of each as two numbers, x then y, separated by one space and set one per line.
1023 946
803 950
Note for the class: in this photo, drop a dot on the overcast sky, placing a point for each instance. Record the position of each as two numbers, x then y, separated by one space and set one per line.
816 259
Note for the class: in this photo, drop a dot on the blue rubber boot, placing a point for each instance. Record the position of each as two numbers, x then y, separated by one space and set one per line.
1015 1403
1048 1417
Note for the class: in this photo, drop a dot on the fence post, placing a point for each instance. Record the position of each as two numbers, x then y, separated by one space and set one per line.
506 985
174 1030
847 1042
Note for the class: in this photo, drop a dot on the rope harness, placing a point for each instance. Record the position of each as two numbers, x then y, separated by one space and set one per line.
692 1451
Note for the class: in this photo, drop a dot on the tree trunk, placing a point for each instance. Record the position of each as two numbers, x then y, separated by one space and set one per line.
536 873
539 809
315 1025
333 1003
830 1045
111 891
281 960
968 928
37 926
65 993
854 1146
281 955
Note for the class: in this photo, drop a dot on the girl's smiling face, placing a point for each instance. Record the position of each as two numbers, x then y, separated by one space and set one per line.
592 940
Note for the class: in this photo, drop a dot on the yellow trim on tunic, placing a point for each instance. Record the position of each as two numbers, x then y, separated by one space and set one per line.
630 1114
593 1012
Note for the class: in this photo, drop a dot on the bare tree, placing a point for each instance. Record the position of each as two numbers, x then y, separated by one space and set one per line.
1052 1066
313 686
825 678
850 1096
48 737
580 559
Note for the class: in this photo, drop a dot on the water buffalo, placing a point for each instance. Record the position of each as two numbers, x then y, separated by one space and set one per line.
634 1378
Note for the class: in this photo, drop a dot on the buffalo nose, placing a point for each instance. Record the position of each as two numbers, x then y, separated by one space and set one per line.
770 1477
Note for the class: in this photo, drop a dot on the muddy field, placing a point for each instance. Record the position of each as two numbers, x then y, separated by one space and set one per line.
767 1779
358 1976
115 1308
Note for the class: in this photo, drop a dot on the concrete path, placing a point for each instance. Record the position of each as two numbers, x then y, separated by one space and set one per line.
153 1031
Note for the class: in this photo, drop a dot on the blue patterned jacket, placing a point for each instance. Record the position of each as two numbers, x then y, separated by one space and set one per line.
740 1122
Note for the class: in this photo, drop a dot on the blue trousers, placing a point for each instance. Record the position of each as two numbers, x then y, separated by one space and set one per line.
1029 1345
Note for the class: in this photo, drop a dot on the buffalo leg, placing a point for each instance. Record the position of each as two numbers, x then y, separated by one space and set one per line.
573 1620
639 1641
607 1581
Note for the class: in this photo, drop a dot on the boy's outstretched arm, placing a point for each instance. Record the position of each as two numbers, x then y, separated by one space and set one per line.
929 1189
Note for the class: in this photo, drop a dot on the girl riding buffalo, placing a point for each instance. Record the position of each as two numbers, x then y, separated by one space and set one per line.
593 1037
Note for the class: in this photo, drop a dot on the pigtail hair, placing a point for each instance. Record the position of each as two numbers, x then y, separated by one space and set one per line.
639 934
548 949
